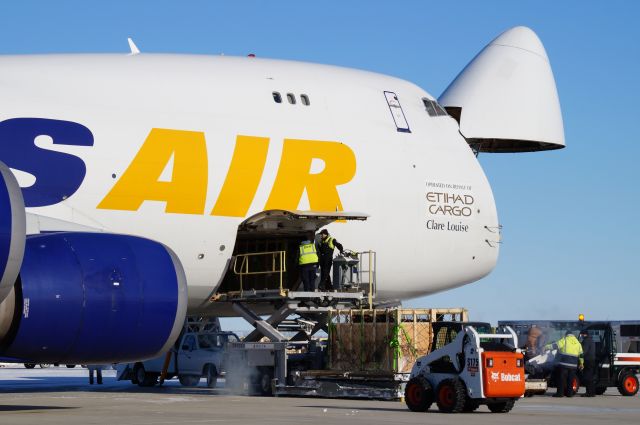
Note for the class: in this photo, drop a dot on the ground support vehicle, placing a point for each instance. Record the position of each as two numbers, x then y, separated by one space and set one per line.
336 384
474 369
269 359
367 353
196 355
252 366
614 369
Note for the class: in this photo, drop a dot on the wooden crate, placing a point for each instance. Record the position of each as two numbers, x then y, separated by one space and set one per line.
388 340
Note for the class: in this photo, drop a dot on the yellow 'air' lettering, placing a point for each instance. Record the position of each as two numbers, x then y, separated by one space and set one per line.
294 175
185 193
243 177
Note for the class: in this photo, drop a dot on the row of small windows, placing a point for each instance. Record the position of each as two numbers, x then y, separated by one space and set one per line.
291 98
433 108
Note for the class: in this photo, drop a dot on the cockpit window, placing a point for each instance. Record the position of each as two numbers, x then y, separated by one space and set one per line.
433 108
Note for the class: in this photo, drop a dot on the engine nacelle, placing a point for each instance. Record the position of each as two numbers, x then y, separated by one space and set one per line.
94 298
12 232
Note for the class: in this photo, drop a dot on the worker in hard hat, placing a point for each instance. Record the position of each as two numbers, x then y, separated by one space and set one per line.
589 350
326 246
568 359
308 262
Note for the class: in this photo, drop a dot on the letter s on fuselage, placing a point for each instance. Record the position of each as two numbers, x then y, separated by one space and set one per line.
180 149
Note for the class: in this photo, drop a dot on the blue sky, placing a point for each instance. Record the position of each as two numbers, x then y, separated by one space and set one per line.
570 217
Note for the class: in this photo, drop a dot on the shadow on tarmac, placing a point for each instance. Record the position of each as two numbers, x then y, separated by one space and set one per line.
400 408
110 385
354 408
20 408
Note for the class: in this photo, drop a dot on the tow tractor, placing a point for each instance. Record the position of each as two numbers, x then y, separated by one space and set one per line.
474 369
613 369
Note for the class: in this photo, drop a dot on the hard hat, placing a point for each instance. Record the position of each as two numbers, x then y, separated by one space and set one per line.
581 317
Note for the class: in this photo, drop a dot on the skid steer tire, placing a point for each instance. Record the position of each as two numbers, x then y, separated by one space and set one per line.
418 394
470 405
450 396
502 407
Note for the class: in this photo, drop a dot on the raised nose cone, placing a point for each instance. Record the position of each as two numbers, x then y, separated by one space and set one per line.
505 99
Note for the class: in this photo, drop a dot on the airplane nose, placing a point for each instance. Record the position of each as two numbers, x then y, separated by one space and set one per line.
522 38
505 99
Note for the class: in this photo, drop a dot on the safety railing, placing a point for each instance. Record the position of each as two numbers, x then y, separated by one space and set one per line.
243 263
367 269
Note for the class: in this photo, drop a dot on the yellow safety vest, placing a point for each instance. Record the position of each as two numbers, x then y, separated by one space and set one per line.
329 242
308 254
569 351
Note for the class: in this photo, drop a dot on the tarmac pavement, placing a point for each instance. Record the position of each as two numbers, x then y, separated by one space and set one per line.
63 396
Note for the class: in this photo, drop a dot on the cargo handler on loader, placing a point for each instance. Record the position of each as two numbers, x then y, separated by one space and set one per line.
473 369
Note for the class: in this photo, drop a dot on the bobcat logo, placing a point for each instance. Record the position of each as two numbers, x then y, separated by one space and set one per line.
495 376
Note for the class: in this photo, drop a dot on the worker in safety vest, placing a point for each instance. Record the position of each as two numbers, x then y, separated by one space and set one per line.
326 245
308 262
568 359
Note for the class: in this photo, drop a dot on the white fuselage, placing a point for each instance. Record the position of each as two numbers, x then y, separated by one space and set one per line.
433 221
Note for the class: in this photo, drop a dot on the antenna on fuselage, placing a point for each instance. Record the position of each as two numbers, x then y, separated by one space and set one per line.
133 47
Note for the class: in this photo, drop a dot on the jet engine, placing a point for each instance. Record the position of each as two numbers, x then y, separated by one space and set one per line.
77 297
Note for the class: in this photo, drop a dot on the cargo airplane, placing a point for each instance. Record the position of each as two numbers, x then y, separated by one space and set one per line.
129 178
